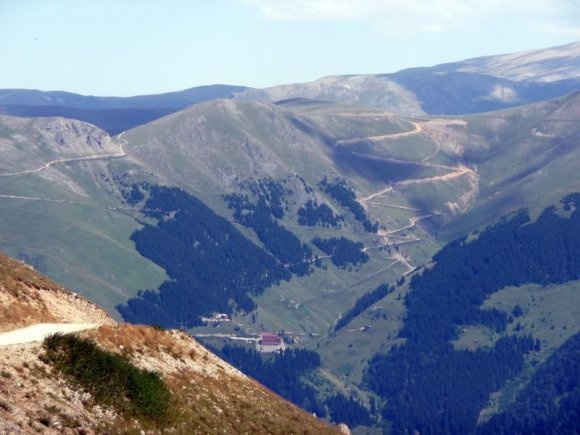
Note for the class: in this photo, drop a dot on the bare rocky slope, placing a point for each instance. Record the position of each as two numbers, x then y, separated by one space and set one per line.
207 394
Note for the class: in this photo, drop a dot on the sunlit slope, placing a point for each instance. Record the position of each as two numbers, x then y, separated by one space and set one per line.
66 192
470 86
544 65
525 157
61 208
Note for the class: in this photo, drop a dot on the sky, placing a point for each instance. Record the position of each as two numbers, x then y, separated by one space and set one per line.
133 47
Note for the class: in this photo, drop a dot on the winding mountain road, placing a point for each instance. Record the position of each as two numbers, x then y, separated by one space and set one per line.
121 153
416 130
116 155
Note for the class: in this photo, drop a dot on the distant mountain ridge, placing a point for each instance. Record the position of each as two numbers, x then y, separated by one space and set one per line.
463 87
112 114
475 85
543 65
172 100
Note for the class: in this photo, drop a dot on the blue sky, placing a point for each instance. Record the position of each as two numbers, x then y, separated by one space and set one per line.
130 47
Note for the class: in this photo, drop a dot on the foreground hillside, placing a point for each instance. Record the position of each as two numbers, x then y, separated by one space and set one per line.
206 395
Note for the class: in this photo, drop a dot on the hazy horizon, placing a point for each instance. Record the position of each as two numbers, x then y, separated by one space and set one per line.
121 49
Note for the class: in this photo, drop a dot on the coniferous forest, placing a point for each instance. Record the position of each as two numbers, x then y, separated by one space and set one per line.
364 302
550 403
209 262
260 215
281 372
345 196
426 384
342 251
430 386
312 214
348 410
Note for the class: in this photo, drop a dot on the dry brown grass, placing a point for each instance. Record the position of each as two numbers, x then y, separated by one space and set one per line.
210 396
26 298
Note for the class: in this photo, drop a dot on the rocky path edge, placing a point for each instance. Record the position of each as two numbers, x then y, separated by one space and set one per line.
39 331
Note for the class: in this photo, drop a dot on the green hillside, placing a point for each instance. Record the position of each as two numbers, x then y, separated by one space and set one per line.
82 208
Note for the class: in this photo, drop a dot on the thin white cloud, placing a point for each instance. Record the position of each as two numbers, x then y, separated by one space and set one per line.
412 16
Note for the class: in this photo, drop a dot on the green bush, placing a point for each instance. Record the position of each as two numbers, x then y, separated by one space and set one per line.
110 378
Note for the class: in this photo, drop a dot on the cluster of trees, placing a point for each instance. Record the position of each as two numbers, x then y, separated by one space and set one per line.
312 214
430 386
345 196
439 389
270 191
281 373
110 378
342 251
134 195
348 410
364 302
211 265
282 243
550 403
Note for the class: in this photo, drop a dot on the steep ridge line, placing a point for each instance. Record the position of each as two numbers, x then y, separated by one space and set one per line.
39 331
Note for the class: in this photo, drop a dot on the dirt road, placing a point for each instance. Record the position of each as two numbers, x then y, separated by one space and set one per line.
39 331
416 130
120 153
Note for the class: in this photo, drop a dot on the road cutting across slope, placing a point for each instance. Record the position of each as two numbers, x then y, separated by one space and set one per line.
119 154
456 172
416 130
39 331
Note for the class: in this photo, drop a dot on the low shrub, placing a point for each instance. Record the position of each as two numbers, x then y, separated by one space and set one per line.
110 378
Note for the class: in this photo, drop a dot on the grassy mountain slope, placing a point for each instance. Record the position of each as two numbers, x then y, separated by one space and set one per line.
410 175
525 157
522 157
67 219
74 219
213 148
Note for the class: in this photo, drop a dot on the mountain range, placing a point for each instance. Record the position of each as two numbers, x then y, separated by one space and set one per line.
314 210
